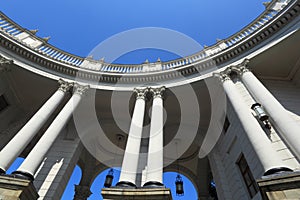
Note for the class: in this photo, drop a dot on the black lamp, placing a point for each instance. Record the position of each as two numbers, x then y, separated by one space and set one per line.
178 181
109 178
261 114
179 186
110 175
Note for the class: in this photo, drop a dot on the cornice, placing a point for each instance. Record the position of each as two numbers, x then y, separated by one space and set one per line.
225 51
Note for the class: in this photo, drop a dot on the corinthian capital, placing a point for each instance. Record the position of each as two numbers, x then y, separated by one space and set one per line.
157 92
4 64
141 93
240 69
243 69
4 61
222 76
80 89
64 86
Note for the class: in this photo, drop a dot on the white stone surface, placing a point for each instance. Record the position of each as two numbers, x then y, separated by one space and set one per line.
131 156
13 149
56 169
230 145
288 127
257 137
38 153
155 152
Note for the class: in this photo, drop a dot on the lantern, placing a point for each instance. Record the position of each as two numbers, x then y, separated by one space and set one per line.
179 186
109 178
259 112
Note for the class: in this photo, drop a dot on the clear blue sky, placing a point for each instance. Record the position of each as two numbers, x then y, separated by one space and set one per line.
78 26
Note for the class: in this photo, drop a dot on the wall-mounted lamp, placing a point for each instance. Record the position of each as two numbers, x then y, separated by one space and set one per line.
179 186
261 114
178 181
109 178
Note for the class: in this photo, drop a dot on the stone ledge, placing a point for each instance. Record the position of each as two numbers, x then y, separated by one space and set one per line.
285 186
136 194
12 188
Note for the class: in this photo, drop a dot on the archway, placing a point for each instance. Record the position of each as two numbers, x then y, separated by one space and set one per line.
190 191
74 180
98 183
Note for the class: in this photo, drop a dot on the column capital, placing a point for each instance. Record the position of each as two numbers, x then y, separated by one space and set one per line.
80 89
3 64
4 61
141 92
82 192
64 85
240 69
157 92
222 76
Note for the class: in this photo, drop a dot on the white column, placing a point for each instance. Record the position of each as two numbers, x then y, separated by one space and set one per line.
131 156
30 165
14 148
268 157
155 151
288 127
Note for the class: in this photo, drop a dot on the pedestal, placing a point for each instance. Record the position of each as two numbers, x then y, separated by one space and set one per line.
12 188
136 194
82 192
285 186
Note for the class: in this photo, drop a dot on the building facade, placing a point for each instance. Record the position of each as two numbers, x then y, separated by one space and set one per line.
229 113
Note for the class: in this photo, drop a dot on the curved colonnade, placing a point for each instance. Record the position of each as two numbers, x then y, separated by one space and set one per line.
228 60
36 50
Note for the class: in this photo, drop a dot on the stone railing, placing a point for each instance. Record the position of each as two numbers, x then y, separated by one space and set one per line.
28 38
42 47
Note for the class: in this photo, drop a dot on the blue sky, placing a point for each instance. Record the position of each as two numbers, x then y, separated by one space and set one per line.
78 26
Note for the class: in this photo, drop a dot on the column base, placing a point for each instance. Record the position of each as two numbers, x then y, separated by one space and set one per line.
82 192
153 184
137 194
125 184
280 186
14 188
277 170
23 175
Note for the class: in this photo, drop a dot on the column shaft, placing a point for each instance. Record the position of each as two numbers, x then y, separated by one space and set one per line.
257 137
38 153
288 127
14 148
131 156
155 152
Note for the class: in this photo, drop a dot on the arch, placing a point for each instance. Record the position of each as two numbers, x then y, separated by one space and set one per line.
90 174
98 182
185 172
190 191
74 180
100 168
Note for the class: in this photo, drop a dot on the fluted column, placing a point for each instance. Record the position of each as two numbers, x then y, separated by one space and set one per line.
288 127
30 165
154 173
262 146
131 156
16 145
